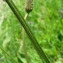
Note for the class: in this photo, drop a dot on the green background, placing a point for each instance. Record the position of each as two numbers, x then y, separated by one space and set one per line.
46 23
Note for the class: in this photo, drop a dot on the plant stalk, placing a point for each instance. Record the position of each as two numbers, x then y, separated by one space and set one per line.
23 39
28 31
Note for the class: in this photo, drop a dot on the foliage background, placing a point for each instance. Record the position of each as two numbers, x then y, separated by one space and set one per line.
45 21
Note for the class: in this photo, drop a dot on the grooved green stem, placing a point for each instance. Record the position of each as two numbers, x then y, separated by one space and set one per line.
28 31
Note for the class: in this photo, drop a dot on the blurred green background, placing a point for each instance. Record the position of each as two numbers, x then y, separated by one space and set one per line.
46 23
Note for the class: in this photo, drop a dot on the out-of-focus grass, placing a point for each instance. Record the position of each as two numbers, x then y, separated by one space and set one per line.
46 23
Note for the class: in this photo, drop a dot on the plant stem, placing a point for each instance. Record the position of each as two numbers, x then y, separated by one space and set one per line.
23 38
8 55
28 31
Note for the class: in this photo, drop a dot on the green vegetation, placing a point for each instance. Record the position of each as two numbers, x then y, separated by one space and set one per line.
45 21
